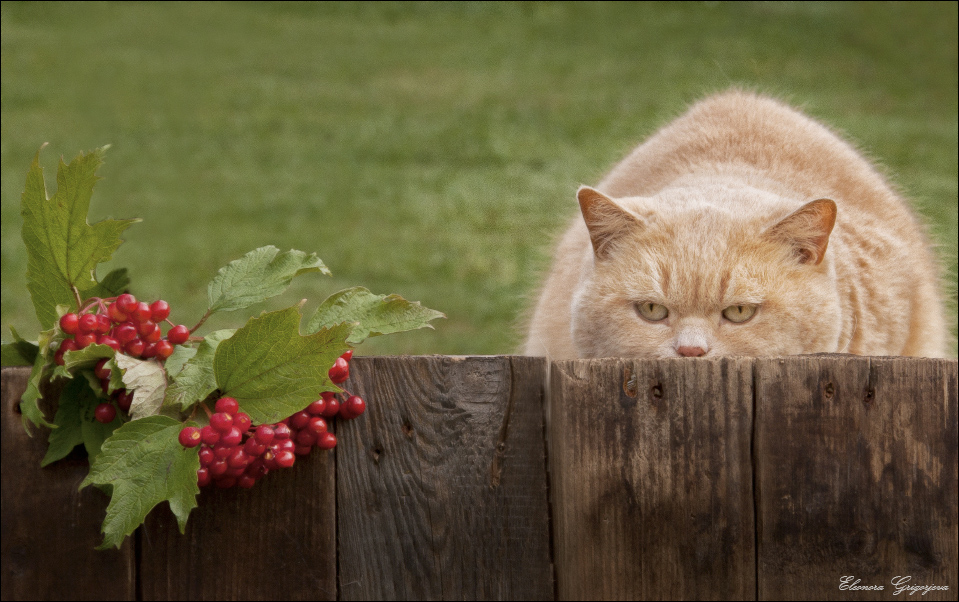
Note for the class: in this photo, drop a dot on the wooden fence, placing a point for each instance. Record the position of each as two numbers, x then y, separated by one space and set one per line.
516 478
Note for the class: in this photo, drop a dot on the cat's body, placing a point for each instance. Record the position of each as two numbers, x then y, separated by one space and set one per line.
741 228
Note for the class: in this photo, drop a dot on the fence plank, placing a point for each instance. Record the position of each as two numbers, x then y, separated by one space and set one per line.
275 541
651 473
856 475
442 484
50 529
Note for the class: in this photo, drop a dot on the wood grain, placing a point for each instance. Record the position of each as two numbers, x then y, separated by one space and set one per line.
441 490
50 529
652 480
856 475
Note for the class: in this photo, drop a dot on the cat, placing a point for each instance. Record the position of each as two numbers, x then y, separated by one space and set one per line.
743 228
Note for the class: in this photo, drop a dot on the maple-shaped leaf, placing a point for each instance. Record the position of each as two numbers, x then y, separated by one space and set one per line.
272 370
260 274
374 314
63 250
144 464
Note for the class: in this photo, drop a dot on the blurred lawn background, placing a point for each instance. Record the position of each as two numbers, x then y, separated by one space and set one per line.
431 150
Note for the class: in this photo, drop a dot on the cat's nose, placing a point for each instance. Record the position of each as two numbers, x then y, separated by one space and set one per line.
691 351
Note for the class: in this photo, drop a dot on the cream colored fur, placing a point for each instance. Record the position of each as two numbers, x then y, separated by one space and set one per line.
741 202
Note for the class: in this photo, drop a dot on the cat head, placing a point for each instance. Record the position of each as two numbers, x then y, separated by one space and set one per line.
706 271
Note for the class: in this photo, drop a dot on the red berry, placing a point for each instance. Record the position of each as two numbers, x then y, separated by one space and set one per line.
317 425
241 420
87 323
299 420
101 370
125 333
178 334
246 481
316 408
113 310
223 451
340 371
264 434
135 347
253 448
326 440
85 339
103 324
305 437
110 342
126 303
282 431
207 456
146 328
141 313
303 450
332 408
227 405
348 356
233 437
285 459
238 459
159 310
124 399
164 349
210 435
222 422
190 437
203 477
219 468
66 345
105 413
149 350
353 407
70 323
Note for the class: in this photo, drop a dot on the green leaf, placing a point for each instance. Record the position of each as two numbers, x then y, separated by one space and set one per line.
147 380
19 352
63 250
67 435
113 284
74 361
181 354
145 464
375 314
30 401
273 371
196 380
76 423
260 274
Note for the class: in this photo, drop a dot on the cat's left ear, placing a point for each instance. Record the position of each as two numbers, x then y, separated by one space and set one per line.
605 220
807 230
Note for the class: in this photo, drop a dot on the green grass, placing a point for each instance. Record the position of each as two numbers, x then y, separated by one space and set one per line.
430 150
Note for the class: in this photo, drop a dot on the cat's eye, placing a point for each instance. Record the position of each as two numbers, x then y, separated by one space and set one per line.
654 312
739 313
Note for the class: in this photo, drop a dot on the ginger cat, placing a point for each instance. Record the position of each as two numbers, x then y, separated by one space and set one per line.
741 228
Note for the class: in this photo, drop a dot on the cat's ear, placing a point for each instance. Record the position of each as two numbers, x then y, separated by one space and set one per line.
605 220
807 230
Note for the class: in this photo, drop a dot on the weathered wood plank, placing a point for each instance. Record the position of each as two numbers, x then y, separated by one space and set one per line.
49 528
856 463
651 479
275 541
442 483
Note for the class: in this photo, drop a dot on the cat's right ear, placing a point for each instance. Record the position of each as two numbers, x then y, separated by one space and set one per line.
807 230
605 220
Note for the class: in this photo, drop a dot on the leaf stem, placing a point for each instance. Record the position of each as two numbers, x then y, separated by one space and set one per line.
208 313
76 296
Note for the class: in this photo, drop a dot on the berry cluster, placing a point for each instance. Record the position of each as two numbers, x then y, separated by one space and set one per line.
127 326
234 453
